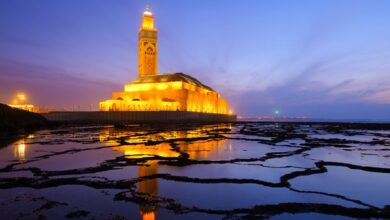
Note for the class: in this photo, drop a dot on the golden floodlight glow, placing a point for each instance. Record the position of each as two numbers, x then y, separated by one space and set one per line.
147 46
164 92
20 102
21 96
177 85
147 23
162 86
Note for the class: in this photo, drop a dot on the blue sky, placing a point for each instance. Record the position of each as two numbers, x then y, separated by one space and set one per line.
327 59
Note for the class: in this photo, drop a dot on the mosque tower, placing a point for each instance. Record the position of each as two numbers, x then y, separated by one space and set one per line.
168 92
147 46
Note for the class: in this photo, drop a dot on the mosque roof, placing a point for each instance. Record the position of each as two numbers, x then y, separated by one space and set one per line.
172 77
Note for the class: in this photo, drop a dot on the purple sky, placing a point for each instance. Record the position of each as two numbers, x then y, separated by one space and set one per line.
327 59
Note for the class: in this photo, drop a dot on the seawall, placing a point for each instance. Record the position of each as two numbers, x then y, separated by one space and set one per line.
101 117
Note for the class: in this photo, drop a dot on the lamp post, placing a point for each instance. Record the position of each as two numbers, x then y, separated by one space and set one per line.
276 113
276 117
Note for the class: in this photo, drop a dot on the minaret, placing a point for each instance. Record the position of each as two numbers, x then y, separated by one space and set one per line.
147 46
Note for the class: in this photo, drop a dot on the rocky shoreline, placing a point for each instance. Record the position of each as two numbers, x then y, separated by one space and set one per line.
13 120
151 168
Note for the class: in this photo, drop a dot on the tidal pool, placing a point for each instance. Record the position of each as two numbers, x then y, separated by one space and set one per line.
217 171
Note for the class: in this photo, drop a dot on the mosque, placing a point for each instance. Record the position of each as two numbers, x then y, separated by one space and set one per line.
162 92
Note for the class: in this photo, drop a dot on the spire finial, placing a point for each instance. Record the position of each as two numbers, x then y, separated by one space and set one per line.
147 11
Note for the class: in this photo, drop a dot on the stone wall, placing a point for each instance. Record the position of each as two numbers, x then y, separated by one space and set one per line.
101 117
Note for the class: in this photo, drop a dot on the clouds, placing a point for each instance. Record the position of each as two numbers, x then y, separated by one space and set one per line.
319 89
51 87
258 54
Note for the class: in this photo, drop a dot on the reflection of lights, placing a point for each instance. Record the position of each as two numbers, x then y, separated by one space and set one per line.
20 150
148 216
141 151
138 149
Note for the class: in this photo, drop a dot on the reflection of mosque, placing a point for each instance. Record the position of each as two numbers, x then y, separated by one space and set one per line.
149 187
196 150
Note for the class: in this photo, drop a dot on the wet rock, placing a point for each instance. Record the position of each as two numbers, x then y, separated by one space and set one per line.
13 120
77 214
133 140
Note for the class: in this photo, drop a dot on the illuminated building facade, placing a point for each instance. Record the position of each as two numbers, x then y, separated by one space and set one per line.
20 102
164 92
147 46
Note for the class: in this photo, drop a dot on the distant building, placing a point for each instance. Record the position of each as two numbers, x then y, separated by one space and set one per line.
27 107
20 102
164 92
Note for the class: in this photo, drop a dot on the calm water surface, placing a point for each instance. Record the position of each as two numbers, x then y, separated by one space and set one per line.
222 171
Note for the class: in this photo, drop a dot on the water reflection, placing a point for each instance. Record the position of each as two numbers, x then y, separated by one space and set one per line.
142 150
20 150
281 151
149 187
139 148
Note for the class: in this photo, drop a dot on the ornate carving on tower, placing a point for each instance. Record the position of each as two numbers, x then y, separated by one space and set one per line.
147 46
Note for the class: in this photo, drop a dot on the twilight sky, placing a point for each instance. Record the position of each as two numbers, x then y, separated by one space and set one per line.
328 59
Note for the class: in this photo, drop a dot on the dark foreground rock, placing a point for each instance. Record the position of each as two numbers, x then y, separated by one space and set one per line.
13 120
230 171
